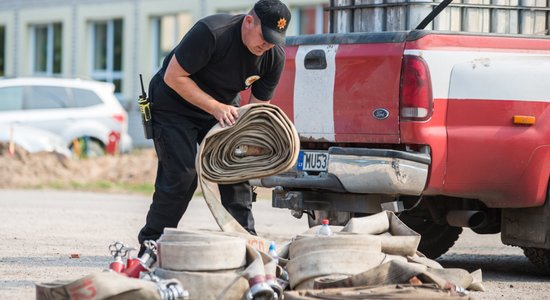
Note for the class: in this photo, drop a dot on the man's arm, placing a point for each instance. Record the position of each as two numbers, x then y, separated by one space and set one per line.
178 79
253 99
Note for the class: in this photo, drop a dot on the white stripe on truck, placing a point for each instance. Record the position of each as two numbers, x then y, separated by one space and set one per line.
488 75
314 95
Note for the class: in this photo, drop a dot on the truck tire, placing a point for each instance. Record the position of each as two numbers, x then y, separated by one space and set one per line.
539 257
436 239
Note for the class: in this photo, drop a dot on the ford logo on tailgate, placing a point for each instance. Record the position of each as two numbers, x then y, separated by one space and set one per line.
380 113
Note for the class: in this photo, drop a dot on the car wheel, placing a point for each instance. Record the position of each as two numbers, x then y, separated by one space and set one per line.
86 147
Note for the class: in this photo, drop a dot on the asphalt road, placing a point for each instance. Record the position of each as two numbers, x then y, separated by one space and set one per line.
40 230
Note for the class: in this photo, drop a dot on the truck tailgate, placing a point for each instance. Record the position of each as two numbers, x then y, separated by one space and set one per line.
366 68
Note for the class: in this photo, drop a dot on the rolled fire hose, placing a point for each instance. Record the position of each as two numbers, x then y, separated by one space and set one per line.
312 257
208 263
397 237
304 244
363 244
262 143
189 251
216 265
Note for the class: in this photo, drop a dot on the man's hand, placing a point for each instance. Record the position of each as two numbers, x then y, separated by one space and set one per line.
225 114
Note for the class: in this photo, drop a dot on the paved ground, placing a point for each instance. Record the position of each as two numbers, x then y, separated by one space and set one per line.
40 230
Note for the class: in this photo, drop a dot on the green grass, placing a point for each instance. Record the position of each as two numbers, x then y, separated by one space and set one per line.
102 186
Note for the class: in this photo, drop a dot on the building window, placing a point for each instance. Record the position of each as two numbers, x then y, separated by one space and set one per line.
107 47
47 49
309 20
168 30
2 51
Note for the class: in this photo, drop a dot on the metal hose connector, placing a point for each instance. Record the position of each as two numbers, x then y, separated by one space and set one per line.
261 291
169 289
276 287
172 290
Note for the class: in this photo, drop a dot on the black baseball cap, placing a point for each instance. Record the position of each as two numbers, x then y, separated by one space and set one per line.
275 17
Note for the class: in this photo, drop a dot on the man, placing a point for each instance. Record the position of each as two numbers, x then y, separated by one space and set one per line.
197 86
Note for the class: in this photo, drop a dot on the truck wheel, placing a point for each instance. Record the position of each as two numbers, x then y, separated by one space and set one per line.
436 239
334 217
539 257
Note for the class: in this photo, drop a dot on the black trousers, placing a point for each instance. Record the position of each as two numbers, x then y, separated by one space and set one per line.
176 138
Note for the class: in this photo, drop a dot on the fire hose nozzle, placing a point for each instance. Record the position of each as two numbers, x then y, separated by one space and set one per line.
118 250
145 262
149 257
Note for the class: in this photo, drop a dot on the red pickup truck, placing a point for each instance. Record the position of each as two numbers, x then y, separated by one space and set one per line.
449 130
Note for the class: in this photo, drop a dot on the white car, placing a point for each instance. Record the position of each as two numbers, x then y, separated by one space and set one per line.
86 114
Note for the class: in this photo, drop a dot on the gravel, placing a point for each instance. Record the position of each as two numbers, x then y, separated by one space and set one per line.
42 229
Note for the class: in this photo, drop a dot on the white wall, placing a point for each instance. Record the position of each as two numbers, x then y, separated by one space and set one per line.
76 16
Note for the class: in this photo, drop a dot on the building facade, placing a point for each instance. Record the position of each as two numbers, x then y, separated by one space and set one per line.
114 41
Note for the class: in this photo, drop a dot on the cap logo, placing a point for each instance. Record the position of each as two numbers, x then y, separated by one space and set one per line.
250 80
281 24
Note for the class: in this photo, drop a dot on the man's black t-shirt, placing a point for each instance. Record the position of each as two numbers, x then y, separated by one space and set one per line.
220 64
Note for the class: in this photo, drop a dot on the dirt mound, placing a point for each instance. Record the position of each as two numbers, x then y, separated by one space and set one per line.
24 170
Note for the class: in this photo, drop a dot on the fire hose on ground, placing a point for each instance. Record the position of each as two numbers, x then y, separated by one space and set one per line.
233 264
262 143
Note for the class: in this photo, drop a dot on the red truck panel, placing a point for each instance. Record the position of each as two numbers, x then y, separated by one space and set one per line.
480 83
485 149
366 78
283 96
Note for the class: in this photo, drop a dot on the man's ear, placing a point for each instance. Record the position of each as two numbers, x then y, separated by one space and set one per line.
249 20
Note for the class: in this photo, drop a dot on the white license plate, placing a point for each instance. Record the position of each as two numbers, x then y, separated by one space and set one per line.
312 161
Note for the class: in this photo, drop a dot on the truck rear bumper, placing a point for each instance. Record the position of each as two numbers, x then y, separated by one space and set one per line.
361 171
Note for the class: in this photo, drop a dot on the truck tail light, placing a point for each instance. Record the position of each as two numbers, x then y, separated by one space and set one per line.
416 100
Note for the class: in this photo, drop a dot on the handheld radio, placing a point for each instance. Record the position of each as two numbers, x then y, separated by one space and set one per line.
145 110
